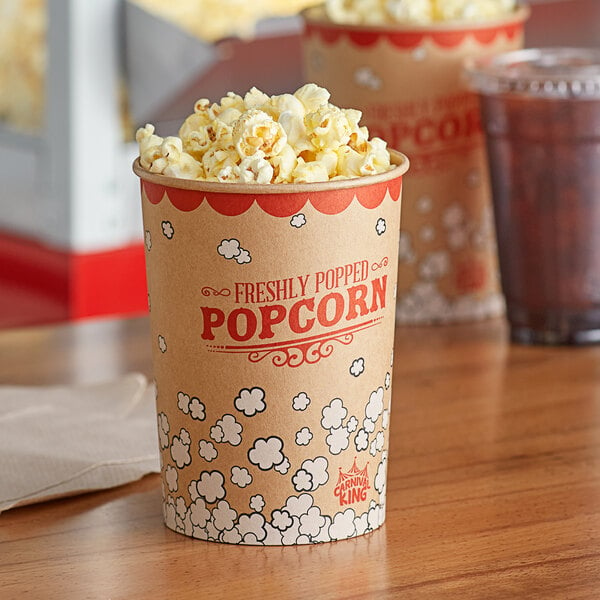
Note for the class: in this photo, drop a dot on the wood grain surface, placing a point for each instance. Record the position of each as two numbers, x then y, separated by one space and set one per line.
494 486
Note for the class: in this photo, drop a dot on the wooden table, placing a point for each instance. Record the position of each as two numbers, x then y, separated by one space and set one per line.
494 486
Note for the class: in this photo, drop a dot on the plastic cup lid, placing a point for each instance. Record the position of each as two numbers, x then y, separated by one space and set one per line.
540 72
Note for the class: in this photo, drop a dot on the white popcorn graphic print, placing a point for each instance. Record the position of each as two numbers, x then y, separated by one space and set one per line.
301 401
385 418
419 54
180 449
365 77
352 424
210 486
243 257
434 265
343 525
167 229
338 439
333 414
298 220
251 401
368 425
357 367
361 440
266 453
240 476
375 405
207 450
227 431
283 467
171 478
232 250
191 406
302 480
304 436
424 204
229 249
163 430
406 252
208 508
311 475
257 503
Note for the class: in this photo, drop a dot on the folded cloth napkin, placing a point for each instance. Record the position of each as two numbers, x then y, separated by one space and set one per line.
64 440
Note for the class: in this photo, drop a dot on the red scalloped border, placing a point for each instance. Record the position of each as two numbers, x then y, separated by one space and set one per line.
409 40
327 202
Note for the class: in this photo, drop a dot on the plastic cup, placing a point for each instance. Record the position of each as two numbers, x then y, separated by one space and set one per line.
541 112
272 315
407 80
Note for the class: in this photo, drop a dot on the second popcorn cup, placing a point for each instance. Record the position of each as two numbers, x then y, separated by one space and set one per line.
406 78
272 314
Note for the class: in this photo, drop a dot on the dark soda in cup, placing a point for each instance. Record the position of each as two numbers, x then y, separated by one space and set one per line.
541 115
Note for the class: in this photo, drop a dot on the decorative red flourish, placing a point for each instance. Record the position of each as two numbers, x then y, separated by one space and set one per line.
327 202
379 265
298 352
309 353
207 291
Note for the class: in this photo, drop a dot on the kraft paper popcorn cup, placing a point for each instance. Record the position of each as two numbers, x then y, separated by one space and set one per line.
272 313
407 81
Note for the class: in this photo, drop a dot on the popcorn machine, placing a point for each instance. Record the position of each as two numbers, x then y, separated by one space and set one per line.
77 77
69 227
70 222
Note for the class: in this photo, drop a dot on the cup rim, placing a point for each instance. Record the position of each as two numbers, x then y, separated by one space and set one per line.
316 15
397 158
545 72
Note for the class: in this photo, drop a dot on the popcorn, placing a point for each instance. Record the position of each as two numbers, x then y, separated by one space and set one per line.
309 172
287 138
329 159
350 161
211 20
149 145
215 160
414 11
255 169
166 156
330 127
377 158
255 98
347 11
312 96
284 164
255 131
472 9
23 60
372 12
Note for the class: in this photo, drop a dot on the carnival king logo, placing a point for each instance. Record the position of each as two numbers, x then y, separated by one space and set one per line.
352 486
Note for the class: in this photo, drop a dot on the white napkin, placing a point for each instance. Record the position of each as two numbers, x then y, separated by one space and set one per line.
61 441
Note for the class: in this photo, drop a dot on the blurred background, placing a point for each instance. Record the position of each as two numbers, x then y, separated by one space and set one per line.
77 79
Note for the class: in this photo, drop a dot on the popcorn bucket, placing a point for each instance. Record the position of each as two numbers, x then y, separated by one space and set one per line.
407 81
272 313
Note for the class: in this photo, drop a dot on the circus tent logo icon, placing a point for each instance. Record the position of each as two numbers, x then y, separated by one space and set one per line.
352 485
